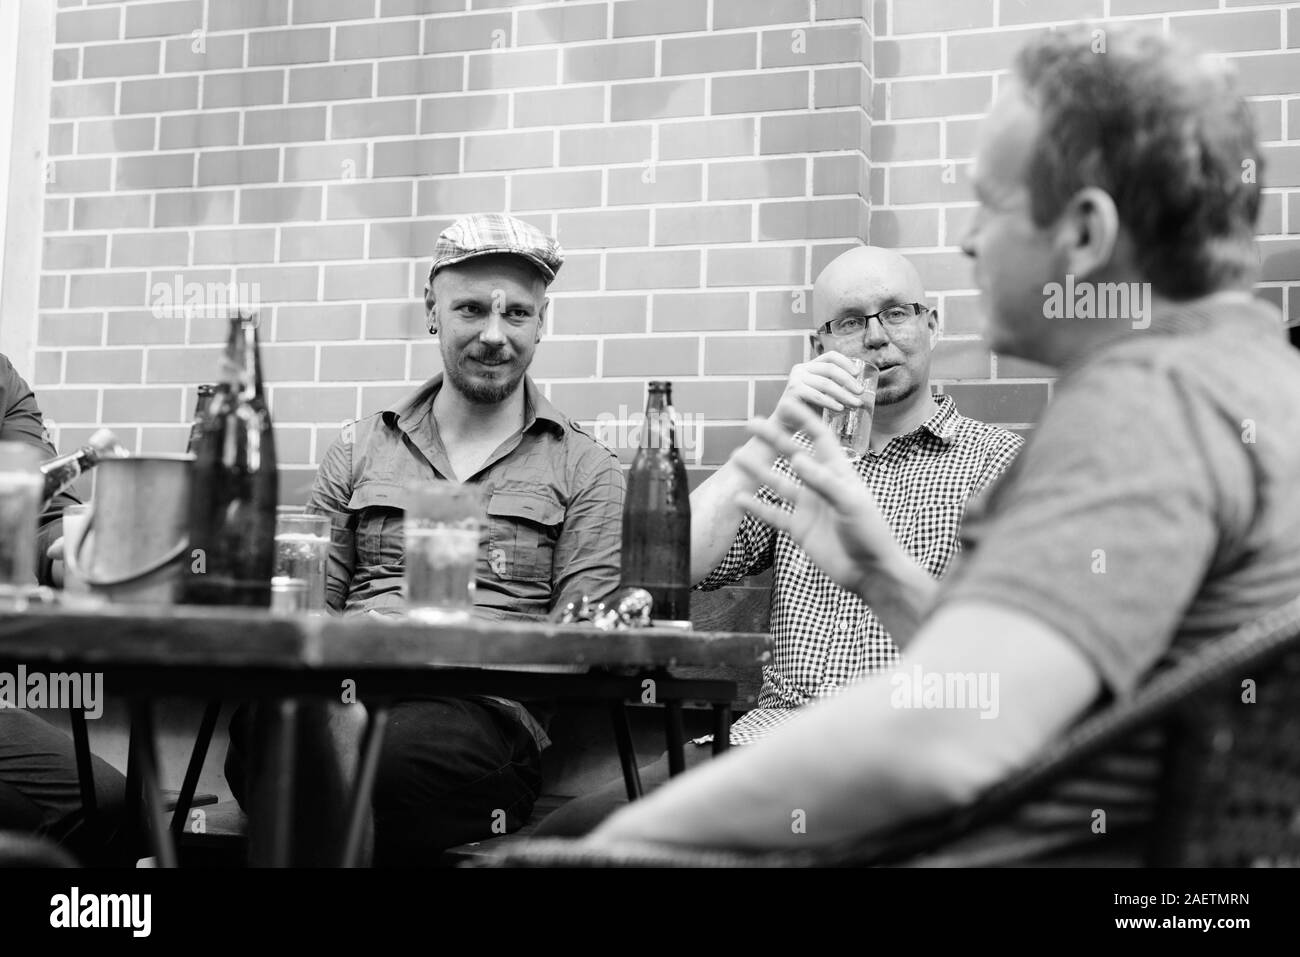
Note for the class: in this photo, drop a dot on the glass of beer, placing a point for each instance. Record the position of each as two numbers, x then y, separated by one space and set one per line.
442 528
302 544
851 426
21 490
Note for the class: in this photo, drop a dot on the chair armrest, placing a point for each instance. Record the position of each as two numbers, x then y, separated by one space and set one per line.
1253 645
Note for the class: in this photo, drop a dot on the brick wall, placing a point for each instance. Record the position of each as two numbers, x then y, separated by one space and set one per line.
936 67
700 161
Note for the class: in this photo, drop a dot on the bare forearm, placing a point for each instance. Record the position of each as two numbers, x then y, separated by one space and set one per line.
875 756
716 514
818 781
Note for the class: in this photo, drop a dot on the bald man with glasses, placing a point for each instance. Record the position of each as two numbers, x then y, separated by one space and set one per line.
924 462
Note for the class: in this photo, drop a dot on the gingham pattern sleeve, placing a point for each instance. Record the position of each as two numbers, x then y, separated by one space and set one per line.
754 546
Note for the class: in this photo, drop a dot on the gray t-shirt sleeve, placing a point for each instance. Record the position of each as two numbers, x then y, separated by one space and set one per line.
1105 526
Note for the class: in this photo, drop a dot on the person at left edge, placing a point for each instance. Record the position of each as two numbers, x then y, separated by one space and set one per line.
39 788
554 500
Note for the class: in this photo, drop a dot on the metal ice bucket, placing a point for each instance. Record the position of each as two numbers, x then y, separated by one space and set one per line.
137 535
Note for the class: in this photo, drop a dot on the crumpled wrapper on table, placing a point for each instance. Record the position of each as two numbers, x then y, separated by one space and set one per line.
626 608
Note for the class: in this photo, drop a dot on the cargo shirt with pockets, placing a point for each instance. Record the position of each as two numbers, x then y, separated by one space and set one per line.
553 497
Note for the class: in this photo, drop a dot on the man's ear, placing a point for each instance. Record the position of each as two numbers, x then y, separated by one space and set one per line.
935 327
430 307
541 318
1087 232
815 347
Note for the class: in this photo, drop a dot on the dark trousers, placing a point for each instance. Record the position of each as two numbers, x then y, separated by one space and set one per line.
451 770
40 793
585 812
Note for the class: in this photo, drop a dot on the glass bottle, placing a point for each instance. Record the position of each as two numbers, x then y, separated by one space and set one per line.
206 391
234 486
656 552
60 472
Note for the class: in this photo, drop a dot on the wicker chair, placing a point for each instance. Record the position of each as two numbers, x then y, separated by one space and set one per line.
1228 794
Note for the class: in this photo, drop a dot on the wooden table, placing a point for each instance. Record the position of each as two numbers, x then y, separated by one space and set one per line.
232 653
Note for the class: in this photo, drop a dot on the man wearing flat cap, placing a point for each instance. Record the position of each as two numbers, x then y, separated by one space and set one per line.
553 497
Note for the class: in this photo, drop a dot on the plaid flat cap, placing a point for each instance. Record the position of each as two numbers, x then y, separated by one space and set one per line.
486 234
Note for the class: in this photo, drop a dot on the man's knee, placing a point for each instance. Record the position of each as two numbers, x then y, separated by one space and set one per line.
438 746
452 771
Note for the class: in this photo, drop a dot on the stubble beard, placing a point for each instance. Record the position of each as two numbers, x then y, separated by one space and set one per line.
480 392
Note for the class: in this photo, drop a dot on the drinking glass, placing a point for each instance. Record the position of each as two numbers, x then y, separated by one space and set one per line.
302 544
442 527
852 425
21 489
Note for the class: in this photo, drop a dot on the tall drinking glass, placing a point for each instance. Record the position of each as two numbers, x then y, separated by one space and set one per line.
852 425
21 490
442 528
302 544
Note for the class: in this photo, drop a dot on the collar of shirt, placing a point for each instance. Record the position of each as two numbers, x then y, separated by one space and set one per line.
414 417
942 425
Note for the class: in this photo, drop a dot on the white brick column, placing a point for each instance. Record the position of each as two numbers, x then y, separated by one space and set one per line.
26 44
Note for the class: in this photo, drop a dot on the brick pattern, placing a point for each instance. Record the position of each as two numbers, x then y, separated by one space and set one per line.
700 161
313 149
937 64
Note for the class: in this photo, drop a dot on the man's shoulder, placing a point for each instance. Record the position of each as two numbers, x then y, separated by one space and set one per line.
586 448
353 429
354 432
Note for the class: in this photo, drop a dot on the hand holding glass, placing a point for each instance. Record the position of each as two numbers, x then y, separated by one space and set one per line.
851 426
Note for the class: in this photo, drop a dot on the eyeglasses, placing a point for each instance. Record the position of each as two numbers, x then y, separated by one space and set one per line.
893 317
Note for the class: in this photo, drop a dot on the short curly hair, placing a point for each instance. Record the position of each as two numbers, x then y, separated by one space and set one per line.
1164 132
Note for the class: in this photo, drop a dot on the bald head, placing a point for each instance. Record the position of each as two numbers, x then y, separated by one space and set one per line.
864 279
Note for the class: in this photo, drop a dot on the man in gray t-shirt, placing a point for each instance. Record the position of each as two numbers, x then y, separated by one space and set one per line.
1153 508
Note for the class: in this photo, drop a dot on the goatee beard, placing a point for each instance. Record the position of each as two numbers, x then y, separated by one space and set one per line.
483 393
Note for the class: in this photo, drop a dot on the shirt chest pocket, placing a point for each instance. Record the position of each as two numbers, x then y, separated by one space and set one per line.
379 510
524 523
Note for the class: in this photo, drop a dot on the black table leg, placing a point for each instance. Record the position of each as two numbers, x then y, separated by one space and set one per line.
721 727
85 770
675 734
359 804
160 838
195 768
270 817
626 751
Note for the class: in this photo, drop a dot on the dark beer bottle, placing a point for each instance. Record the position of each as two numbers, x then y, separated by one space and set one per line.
60 472
206 391
657 514
234 485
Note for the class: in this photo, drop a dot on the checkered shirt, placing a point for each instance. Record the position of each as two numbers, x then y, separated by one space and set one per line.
824 638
